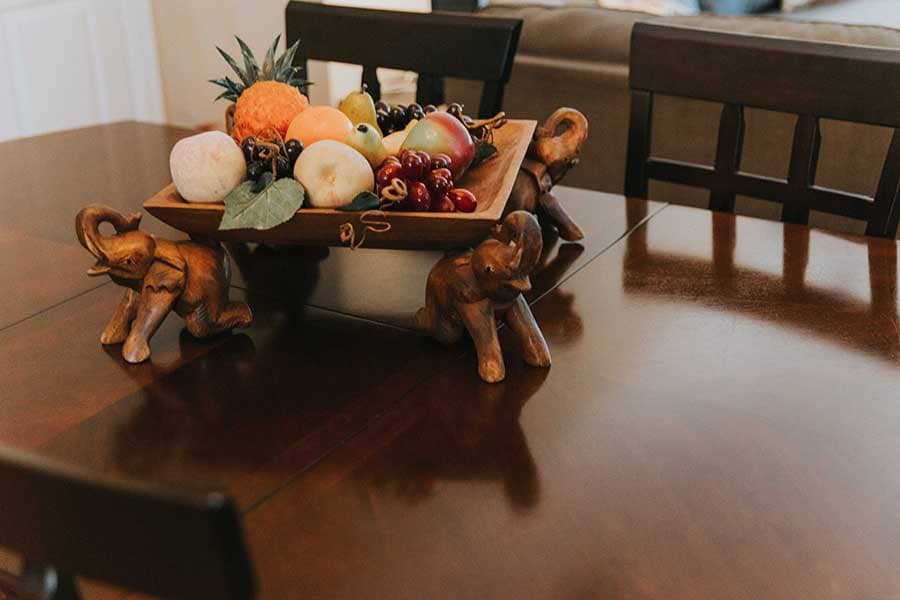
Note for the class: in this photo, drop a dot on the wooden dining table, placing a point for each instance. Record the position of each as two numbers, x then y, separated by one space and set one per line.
721 419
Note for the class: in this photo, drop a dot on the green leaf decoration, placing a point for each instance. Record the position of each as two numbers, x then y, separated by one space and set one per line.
268 68
284 67
250 66
274 205
234 85
239 197
234 66
483 151
279 69
233 89
363 201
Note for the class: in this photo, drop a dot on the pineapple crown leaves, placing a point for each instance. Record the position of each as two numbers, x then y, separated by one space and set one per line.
280 69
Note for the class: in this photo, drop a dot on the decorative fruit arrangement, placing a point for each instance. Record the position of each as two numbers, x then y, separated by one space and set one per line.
283 153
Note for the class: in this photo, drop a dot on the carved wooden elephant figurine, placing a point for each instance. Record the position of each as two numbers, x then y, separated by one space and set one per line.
158 275
465 292
550 156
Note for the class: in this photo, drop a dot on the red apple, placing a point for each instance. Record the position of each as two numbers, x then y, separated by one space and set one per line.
442 133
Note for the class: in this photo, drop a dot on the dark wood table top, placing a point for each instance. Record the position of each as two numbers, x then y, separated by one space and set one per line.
719 422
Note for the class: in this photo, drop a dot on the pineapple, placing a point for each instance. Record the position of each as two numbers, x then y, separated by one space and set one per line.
265 97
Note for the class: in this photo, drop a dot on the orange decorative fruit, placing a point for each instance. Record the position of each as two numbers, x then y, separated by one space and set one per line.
265 97
267 104
319 123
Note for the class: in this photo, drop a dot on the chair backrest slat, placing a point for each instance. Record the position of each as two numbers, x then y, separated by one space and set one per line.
433 44
728 156
886 210
812 80
134 536
802 170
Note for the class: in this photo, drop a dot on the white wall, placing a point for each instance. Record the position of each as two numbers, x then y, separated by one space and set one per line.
188 32
72 63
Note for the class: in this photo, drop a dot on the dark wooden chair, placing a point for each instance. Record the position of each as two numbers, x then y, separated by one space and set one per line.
434 45
810 79
67 524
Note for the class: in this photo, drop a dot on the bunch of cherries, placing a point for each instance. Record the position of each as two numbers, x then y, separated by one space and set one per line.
263 155
427 181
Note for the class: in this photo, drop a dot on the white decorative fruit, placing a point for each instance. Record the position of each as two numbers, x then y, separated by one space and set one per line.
333 174
206 166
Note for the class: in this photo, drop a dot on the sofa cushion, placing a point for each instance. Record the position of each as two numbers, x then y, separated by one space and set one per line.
592 34
858 12
589 33
655 7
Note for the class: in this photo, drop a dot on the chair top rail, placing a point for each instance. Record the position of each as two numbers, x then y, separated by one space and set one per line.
134 535
843 82
449 44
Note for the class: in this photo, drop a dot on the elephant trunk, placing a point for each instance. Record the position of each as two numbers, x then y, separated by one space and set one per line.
521 233
560 151
87 228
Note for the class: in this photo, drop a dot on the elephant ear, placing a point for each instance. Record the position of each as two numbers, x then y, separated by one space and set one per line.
167 271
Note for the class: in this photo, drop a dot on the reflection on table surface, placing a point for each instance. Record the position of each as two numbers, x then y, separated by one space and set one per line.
715 270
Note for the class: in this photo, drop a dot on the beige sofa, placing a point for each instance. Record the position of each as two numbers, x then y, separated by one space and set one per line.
578 56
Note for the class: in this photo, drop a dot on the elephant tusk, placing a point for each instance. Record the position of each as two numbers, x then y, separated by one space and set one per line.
98 269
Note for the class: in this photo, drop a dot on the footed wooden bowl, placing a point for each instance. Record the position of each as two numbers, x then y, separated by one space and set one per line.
491 182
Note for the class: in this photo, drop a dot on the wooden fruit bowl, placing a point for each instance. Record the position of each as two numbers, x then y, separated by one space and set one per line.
491 183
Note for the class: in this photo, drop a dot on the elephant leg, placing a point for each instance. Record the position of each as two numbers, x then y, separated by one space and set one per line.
236 314
478 318
202 322
568 229
119 325
152 310
522 323
431 320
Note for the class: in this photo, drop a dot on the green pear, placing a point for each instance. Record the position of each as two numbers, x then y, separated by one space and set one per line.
360 108
366 140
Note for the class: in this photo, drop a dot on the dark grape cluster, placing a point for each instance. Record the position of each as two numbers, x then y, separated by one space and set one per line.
396 118
261 155
428 183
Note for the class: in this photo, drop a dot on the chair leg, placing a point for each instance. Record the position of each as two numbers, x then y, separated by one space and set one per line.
429 90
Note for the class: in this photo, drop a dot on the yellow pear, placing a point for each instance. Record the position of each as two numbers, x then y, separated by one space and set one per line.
360 108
